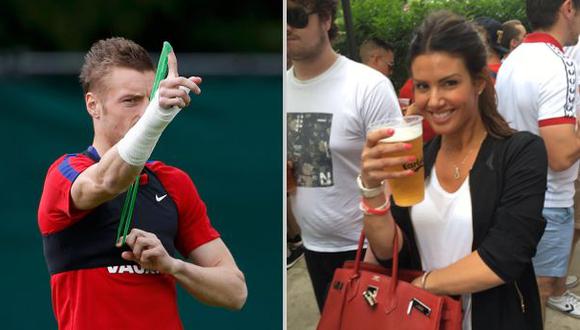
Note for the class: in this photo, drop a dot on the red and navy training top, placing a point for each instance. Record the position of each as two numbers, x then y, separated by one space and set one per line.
92 286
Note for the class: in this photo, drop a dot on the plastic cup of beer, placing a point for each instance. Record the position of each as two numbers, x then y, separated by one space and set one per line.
409 190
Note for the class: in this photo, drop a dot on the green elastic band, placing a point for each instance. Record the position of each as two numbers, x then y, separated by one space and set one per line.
124 212
129 204
162 67
130 212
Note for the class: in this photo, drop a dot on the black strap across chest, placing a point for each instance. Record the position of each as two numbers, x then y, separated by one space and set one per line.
90 242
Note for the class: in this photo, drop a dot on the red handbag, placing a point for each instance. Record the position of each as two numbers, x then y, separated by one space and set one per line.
363 296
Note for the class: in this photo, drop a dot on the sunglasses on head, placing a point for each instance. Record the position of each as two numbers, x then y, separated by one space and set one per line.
297 17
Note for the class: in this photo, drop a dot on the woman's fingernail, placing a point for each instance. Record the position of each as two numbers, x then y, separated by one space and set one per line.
408 146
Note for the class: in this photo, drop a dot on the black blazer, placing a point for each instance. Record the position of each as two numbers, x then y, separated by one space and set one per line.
507 186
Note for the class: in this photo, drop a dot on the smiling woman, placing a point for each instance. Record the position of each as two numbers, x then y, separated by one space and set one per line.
445 91
476 231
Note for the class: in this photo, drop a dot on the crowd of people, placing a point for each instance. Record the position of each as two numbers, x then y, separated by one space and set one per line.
497 225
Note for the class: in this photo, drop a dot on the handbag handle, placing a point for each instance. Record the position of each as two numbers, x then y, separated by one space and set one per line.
395 267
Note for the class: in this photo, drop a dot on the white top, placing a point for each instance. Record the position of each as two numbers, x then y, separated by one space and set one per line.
327 121
536 86
443 226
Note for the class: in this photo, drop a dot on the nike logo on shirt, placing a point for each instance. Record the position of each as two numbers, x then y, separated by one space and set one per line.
160 198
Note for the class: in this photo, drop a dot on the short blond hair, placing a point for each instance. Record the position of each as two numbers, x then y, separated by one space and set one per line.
106 54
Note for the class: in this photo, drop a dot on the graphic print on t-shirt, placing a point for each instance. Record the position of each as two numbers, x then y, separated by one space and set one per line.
570 105
308 148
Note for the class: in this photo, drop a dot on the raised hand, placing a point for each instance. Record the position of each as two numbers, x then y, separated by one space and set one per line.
174 90
377 156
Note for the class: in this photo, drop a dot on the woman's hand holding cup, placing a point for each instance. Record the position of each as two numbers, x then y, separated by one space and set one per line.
376 157
394 152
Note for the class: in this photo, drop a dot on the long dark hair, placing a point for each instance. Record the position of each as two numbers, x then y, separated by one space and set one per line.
444 31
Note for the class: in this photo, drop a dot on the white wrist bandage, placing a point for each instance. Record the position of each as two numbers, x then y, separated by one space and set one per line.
136 146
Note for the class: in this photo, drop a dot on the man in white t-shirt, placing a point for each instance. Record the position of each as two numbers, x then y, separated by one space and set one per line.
537 91
331 101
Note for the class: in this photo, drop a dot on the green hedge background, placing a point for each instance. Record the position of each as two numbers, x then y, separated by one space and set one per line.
395 20
192 26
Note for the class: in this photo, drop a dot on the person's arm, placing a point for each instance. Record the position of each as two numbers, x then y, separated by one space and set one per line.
210 275
563 145
213 277
380 229
468 275
370 258
556 119
103 181
119 165
292 228
510 243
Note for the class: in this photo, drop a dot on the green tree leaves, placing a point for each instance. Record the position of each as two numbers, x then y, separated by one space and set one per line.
395 20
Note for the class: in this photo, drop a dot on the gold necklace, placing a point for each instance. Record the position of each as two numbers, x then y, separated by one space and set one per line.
456 173
456 170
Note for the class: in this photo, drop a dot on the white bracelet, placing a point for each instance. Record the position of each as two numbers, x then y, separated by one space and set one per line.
136 146
369 192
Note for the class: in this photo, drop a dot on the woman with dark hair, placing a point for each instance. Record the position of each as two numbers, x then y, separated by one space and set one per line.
476 230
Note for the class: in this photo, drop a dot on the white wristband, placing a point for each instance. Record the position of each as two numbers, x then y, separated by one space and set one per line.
136 146
369 192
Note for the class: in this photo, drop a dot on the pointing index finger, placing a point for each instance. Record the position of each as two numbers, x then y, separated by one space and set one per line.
172 65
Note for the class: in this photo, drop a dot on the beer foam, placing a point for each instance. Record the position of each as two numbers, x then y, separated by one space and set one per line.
404 134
